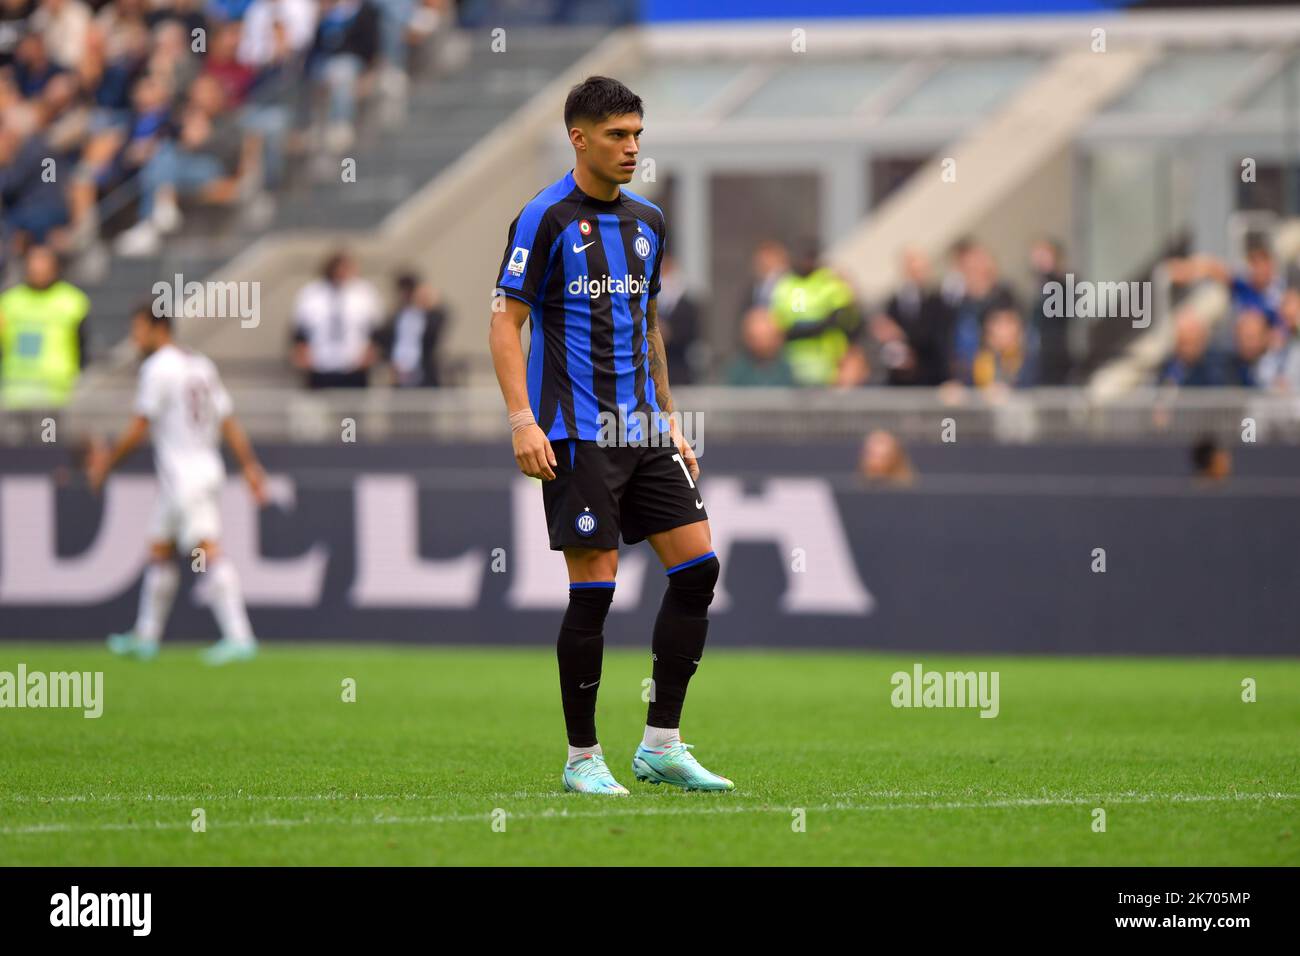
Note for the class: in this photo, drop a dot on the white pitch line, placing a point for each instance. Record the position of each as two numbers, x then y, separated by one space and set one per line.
341 797
614 811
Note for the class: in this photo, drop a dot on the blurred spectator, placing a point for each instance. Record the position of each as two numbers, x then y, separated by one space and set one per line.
35 209
1191 364
336 327
771 262
1008 356
223 65
883 460
42 336
913 331
1210 461
14 16
345 46
64 25
210 158
678 323
119 93
976 290
170 63
187 13
856 368
227 11
116 52
409 341
17 113
761 363
117 152
814 308
1047 263
275 38
1259 287
33 67
1246 368
274 29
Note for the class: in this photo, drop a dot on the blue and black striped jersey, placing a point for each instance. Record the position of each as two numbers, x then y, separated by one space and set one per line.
587 268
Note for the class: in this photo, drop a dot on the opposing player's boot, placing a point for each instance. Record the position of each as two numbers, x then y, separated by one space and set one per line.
673 763
129 645
587 773
226 652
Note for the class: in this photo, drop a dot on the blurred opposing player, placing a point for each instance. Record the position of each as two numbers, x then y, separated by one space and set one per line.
181 399
582 263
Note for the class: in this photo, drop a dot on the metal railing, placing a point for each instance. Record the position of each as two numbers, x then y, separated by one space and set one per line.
787 416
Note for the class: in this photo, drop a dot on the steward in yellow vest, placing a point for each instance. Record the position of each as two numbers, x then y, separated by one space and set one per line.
814 308
42 336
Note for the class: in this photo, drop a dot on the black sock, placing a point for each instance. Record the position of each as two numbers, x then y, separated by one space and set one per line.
579 650
680 630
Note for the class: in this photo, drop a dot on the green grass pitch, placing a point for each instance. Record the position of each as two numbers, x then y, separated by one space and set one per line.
286 772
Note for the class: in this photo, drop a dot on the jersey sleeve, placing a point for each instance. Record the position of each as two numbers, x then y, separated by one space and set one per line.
528 250
221 403
149 395
659 258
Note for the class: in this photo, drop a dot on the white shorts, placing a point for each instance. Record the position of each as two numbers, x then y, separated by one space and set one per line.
186 519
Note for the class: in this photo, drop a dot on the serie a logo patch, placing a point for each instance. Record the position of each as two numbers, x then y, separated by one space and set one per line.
518 259
585 524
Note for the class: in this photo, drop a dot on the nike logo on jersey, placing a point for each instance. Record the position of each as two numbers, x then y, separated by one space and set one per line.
585 686
577 248
698 504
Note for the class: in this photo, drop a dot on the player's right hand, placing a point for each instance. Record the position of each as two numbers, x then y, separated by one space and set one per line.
95 463
256 478
533 453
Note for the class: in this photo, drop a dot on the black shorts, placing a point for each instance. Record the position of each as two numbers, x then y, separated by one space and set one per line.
599 491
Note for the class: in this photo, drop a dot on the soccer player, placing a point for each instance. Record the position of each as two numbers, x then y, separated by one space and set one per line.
181 399
588 412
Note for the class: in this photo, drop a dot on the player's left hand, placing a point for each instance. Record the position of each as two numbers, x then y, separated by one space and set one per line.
684 449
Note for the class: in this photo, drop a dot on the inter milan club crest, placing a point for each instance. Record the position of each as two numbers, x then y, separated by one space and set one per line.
586 523
584 227
641 246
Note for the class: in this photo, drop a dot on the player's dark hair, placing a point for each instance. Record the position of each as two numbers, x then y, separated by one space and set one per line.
1203 453
599 97
150 314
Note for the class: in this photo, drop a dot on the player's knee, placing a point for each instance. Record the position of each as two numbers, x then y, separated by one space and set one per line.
588 605
695 580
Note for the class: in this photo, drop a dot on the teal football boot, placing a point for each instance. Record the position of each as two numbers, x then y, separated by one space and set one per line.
226 652
587 773
128 645
673 764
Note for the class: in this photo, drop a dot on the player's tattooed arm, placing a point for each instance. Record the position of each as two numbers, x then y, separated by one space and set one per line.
656 359
657 366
